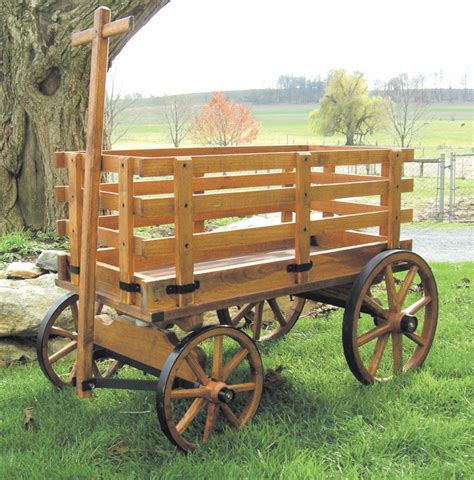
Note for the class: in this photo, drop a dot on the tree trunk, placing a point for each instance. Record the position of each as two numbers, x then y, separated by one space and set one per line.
43 98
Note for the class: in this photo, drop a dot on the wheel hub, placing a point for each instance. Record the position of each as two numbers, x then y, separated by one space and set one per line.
408 323
226 395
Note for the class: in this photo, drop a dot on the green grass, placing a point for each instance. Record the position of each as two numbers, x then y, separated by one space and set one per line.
321 424
21 245
288 124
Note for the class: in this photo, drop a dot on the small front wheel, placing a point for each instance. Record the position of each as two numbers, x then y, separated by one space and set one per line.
394 301
226 386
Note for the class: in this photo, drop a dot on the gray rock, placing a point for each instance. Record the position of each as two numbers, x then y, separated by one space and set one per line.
23 304
16 351
3 274
23 270
48 260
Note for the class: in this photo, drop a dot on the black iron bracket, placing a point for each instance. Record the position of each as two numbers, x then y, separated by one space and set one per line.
299 267
74 269
119 383
189 288
129 287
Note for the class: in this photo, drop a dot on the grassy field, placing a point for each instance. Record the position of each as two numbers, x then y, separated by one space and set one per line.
448 127
320 424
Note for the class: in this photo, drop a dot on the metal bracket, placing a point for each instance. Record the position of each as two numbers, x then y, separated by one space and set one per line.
313 241
129 287
299 267
119 383
189 288
74 269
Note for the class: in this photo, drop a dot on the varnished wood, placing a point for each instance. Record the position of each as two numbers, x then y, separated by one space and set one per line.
94 139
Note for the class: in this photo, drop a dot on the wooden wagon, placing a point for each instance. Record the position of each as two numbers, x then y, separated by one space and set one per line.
315 246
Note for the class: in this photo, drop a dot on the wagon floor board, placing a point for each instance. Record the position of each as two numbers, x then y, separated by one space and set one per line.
229 262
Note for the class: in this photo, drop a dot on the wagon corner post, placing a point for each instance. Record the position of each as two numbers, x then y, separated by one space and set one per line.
98 35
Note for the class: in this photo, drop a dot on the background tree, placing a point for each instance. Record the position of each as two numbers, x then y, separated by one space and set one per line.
179 113
224 123
43 98
347 108
115 105
405 108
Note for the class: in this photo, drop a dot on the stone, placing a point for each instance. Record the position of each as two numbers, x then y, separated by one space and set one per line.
23 304
48 260
23 270
16 351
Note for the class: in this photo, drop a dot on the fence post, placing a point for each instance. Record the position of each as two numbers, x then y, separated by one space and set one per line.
452 186
441 175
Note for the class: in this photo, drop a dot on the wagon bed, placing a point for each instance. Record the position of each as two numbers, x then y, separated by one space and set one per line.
184 187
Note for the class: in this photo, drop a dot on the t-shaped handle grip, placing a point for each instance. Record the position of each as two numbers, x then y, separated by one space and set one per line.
119 26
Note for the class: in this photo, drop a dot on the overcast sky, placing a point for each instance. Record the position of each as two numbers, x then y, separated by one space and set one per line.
209 45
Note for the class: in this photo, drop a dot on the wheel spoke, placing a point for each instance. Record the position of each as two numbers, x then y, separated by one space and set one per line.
397 352
376 308
233 362
229 414
416 338
95 370
70 347
190 414
371 334
257 321
276 311
391 290
212 411
402 293
73 371
199 392
115 365
242 387
422 302
378 353
242 312
216 372
197 369
62 332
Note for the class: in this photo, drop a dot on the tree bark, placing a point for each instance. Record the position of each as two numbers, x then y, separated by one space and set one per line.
43 98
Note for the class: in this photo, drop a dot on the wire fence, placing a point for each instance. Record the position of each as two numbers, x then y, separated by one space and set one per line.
443 186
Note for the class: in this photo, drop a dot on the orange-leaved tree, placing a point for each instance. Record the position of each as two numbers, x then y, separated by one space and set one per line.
224 123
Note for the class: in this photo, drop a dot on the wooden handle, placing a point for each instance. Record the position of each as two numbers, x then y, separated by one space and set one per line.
113 28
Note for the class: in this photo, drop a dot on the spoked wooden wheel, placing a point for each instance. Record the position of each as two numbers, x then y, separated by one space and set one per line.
227 374
57 343
266 320
394 301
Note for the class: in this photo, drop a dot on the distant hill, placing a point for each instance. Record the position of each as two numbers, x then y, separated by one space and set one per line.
312 94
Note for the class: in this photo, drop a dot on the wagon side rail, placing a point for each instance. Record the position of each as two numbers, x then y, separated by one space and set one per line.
223 185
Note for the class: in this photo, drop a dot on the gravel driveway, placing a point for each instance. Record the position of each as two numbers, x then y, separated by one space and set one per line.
442 244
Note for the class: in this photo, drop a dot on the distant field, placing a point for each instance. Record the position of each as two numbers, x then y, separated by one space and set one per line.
448 127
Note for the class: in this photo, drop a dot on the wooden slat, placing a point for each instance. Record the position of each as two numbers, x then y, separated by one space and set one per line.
302 213
125 244
75 199
328 172
349 157
183 207
394 201
108 237
209 241
356 221
278 197
348 190
340 207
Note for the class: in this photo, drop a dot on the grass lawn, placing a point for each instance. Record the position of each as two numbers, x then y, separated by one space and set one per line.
320 424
